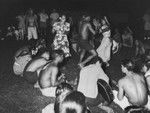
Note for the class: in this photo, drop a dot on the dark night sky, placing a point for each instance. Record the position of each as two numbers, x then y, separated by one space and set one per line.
9 8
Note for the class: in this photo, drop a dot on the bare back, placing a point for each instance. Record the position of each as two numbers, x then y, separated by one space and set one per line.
135 89
84 31
48 76
33 65
31 21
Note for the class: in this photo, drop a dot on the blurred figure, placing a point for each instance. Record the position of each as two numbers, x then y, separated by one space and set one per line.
84 42
21 25
104 49
127 38
31 25
146 19
54 16
43 23
61 28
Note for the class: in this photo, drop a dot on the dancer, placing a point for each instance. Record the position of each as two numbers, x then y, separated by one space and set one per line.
104 50
43 23
21 25
61 40
84 43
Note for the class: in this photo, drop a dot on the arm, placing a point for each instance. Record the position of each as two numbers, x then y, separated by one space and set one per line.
91 29
148 82
36 23
130 30
54 77
26 23
121 91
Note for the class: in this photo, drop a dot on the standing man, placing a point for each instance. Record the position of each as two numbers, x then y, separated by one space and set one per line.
43 23
54 17
21 25
31 25
84 43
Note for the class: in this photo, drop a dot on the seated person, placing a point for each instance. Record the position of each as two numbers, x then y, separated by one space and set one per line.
21 58
32 69
48 76
88 78
67 101
132 88
146 71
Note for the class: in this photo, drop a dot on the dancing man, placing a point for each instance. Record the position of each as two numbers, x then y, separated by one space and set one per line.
104 50
84 43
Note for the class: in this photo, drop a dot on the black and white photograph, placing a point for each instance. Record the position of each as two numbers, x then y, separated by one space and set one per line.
74 56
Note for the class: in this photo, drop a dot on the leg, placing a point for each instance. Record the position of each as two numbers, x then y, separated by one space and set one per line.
34 32
106 108
74 46
81 58
29 33
82 55
93 52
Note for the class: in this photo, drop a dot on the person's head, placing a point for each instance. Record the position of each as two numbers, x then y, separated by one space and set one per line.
43 11
54 10
136 42
46 55
58 55
69 101
30 11
63 88
127 65
126 31
63 18
103 22
116 30
145 66
96 22
87 18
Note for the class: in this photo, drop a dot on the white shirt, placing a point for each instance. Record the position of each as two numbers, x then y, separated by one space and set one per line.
88 79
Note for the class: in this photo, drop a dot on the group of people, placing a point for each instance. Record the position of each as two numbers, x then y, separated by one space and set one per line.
40 67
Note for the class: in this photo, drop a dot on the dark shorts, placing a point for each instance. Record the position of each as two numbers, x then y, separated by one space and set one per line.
31 77
43 24
84 44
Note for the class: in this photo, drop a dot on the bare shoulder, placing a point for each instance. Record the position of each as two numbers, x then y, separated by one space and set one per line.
122 81
54 69
88 24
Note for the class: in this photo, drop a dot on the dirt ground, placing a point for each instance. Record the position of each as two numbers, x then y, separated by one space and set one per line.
17 96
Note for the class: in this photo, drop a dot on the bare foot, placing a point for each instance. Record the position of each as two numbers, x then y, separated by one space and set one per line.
106 108
81 65
36 85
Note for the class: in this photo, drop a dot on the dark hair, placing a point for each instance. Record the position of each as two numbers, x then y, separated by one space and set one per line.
128 64
55 53
61 87
146 63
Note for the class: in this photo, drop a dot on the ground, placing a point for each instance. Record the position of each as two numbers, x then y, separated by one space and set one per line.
17 96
